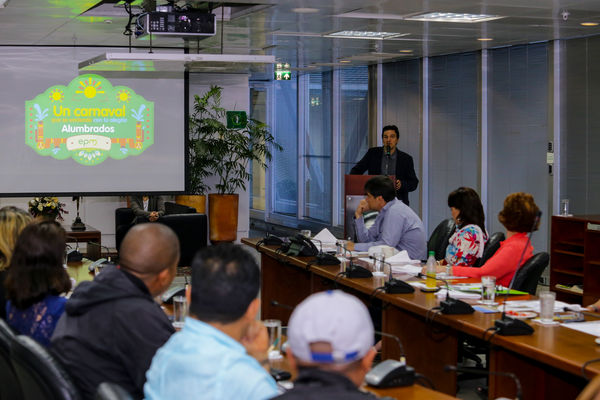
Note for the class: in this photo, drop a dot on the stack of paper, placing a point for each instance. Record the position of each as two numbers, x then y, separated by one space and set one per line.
457 294
402 258
325 240
407 269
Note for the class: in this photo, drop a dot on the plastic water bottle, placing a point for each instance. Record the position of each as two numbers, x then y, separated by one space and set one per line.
430 270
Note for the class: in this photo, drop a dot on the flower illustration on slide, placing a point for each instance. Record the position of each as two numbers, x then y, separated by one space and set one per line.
123 96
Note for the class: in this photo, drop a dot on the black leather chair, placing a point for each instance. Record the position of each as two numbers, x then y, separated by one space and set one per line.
10 388
111 391
490 248
38 372
190 227
529 274
438 241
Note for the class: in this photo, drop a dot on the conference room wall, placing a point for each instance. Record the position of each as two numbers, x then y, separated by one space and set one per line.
454 155
518 129
402 106
581 138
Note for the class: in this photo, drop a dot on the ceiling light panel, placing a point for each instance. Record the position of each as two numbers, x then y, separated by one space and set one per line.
464 18
364 35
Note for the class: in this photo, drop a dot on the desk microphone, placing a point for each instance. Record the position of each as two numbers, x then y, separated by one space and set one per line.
391 373
519 390
353 270
450 305
269 240
393 285
507 326
324 258
275 303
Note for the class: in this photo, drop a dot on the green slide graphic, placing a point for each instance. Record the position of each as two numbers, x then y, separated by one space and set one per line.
89 120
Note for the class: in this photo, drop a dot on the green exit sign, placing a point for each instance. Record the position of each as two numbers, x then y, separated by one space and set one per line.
283 72
236 119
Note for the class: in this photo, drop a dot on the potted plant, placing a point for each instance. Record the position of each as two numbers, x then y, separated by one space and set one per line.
47 208
216 150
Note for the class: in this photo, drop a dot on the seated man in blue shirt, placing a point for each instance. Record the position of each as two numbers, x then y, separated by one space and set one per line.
221 351
397 225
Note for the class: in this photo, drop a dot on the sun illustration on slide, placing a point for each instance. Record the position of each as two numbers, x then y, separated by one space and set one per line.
89 88
57 95
123 95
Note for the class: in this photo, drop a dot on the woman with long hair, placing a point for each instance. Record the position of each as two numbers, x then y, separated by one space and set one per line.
12 222
36 278
466 244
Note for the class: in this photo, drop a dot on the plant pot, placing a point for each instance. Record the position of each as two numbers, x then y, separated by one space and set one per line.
223 217
198 201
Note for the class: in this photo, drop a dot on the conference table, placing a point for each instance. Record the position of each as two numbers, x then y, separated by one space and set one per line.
549 364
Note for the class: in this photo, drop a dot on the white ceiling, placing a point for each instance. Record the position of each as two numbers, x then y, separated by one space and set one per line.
297 38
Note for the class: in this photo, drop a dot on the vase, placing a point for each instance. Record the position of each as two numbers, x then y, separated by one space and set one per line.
223 217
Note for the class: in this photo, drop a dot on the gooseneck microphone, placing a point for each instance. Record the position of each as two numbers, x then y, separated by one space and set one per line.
353 270
396 286
451 305
275 303
391 373
519 389
508 326
324 258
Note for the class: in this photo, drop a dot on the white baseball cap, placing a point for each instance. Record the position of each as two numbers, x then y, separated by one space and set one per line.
334 317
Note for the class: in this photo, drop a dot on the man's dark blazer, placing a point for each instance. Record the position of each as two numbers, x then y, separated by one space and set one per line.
405 170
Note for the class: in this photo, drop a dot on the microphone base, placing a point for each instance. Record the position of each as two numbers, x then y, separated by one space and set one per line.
272 241
326 259
395 286
454 307
508 326
78 225
356 271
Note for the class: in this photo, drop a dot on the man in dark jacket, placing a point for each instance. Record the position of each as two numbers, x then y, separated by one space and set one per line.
388 160
330 340
112 326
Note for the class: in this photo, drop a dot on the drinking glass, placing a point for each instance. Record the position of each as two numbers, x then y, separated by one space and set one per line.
180 310
274 331
340 250
564 207
379 264
488 289
547 306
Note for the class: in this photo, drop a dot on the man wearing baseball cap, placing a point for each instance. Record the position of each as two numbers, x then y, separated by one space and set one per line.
330 341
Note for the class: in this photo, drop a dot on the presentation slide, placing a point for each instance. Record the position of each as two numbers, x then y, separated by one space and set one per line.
66 131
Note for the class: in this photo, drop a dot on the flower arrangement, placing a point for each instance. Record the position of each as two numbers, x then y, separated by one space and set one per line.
48 207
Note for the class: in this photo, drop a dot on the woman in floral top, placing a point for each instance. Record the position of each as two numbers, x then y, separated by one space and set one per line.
35 280
467 243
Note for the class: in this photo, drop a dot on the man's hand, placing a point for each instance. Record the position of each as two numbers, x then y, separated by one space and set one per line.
256 341
153 216
398 184
362 207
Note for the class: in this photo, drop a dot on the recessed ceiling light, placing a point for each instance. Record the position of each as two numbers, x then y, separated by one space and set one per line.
345 61
364 35
405 51
305 10
589 24
484 39
453 17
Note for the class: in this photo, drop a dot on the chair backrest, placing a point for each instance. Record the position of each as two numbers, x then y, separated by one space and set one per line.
191 229
438 241
39 373
111 391
490 248
10 388
529 274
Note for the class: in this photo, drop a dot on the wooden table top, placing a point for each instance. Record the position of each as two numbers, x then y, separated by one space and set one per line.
558 346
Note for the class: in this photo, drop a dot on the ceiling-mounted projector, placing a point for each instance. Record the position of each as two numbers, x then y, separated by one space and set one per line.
176 23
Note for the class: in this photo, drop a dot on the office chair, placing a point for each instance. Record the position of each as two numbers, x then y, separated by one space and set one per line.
438 241
38 372
9 389
111 391
529 274
490 248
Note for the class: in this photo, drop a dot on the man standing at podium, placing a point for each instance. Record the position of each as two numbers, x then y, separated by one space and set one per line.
388 160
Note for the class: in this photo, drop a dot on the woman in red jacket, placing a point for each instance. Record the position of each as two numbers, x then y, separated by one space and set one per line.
519 216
